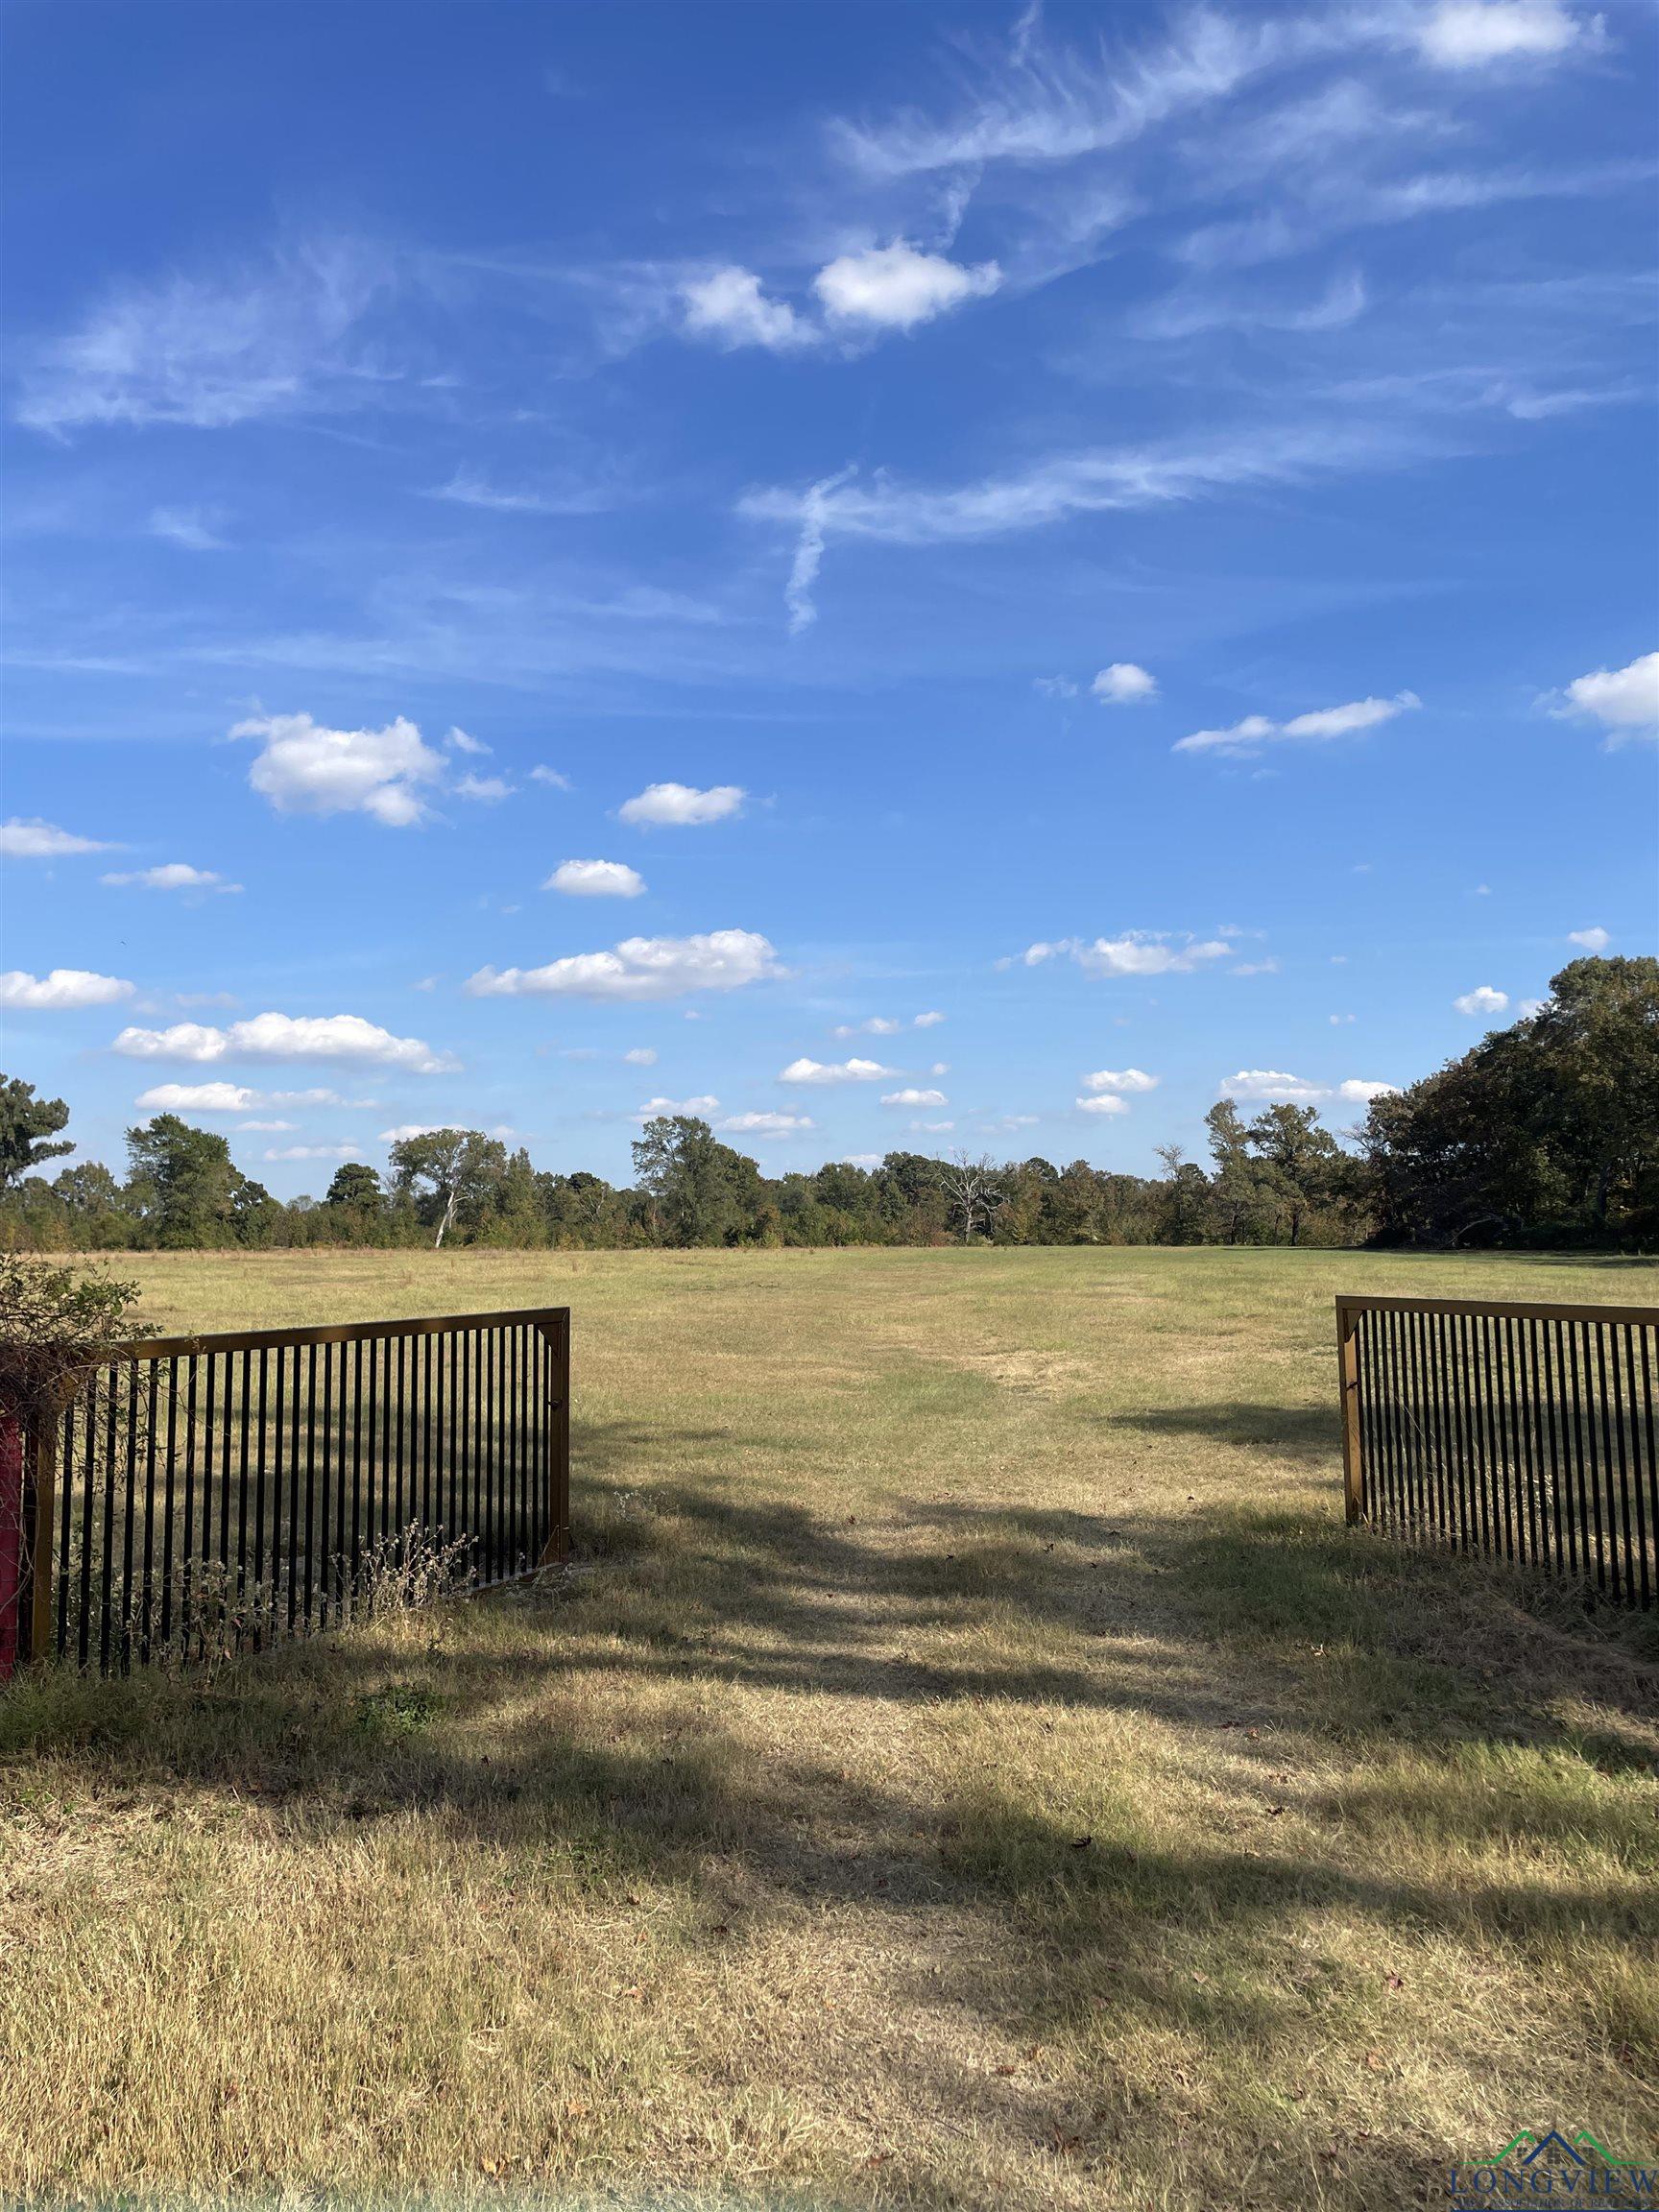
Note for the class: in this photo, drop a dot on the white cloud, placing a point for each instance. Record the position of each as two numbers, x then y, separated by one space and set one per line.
805 1070
812 513
928 1020
1256 730
765 1124
541 773
896 287
730 306
404 1130
1137 952
681 803
264 1128
913 1098
307 769
878 1025
483 790
1360 1089
1591 940
1271 1084
1124 685
1054 686
641 1057
1100 1103
595 880
287 1037
64 987
932 1128
1468 33
208 353
1119 1079
189 527
1624 701
174 876
642 968
198 1098
44 841
1482 1000
461 741
706 1104
315 1152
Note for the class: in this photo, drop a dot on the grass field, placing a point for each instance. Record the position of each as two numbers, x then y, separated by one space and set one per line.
968 1764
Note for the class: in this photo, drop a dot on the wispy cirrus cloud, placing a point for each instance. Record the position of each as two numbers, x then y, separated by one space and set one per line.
279 336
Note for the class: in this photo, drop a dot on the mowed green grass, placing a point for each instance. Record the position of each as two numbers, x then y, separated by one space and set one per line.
968 1764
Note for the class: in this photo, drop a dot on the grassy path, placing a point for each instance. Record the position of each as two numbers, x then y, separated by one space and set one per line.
968 1764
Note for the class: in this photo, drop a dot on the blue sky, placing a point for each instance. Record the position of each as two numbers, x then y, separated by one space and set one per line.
1126 532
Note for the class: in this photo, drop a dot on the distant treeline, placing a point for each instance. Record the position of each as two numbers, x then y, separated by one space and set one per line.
1546 1134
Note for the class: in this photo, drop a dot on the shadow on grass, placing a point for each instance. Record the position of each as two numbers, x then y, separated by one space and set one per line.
580 1730
1304 1433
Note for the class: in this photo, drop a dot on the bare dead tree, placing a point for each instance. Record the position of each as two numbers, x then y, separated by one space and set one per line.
970 1192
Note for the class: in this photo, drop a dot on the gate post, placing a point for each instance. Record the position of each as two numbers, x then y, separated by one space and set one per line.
555 1332
1348 1360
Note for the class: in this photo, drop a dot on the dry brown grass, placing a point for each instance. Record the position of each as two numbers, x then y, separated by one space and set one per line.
968 1764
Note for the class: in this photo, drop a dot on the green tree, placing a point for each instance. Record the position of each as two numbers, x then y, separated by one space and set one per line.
28 1126
449 1174
183 1184
1300 1162
700 1191
356 1188
1236 1187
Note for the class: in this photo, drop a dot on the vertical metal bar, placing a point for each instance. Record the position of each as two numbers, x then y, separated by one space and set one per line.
257 1580
426 1344
351 1581
1397 1452
1642 1575
491 1538
1584 1460
454 1514
516 1442
294 1481
372 1517
1606 1402
187 1532
1532 1406
88 1547
310 1478
210 1407
1487 1377
128 1514
247 1410
66 1523
274 1579
1421 1439
1649 1490
1627 1548
106 1578
1374 1498
400 1456
1560 1452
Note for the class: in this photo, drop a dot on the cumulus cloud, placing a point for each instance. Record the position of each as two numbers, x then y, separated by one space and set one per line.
681 803
706 1104
315 1152
805 1070
1137 952
1482 1000
929 1021
1271 1084
641 1057
595 880
765 1124
878 1025
640 967
64 987
1119 1079
1323 722
198 1098
1624 701
173 876
306 768
897 287
22 840
730 306
913 1098
1124 685
1103 1103
1591 940
344 1037
1360 1089
1469 34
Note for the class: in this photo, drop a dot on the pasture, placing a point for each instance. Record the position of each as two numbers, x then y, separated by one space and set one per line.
966 1764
